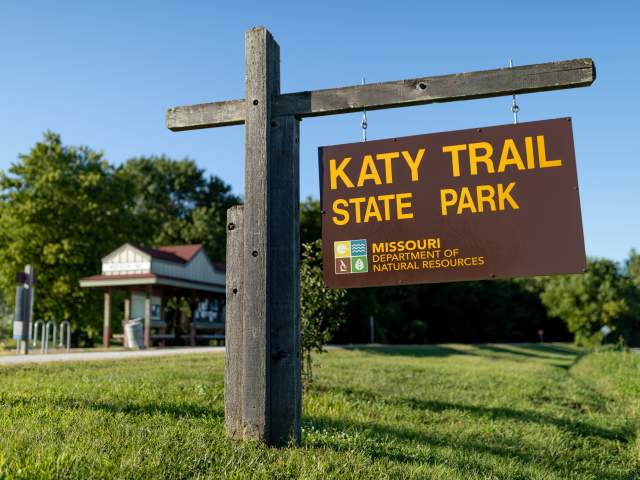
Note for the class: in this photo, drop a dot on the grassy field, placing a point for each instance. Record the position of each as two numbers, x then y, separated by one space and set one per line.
445 412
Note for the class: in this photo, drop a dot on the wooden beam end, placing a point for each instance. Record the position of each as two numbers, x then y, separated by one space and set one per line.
593 70
170 120
205 115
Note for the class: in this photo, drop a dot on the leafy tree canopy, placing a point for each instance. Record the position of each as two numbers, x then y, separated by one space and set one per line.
61 209
176 203
587 302
310 220
632 267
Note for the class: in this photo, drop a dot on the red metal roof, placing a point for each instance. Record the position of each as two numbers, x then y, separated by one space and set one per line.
185 252
173 253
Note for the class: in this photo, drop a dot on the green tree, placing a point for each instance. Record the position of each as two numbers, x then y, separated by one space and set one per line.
6 318
322 310
632 267
589 301
176 203
310 220
61 209
630 328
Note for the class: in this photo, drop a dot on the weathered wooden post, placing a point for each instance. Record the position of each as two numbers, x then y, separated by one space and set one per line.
262 362
234 323
270 351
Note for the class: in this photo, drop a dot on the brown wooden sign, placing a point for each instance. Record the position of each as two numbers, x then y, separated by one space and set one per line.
472 204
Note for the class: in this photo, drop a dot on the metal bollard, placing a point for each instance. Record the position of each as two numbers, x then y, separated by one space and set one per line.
35 332
65 326
45 345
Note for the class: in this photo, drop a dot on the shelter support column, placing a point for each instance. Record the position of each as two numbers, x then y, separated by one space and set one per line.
126 317
193 303
106 328
127 309
147 317
163 305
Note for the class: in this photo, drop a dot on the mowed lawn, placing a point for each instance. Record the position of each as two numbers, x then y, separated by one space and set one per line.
445 412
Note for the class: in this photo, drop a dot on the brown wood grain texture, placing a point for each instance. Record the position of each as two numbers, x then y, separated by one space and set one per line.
417 91
233 383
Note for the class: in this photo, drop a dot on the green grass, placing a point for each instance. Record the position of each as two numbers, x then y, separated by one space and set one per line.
446 412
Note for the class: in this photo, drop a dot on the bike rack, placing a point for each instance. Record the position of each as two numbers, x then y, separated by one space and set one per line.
45 344
35 332
65 326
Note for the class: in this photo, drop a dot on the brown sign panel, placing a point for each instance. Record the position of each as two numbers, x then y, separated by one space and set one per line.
491 202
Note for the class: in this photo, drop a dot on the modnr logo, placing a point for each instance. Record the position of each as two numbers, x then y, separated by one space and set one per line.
351 256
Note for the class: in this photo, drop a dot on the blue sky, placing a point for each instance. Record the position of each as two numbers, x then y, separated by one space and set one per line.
103 73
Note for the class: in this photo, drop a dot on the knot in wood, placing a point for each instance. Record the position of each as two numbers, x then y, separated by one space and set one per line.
232 226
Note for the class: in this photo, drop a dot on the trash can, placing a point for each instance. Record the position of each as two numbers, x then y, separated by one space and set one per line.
134 333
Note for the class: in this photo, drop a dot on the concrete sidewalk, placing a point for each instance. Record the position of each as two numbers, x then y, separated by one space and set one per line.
90 356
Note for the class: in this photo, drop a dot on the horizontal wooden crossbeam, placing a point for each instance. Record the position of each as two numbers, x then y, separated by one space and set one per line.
374 96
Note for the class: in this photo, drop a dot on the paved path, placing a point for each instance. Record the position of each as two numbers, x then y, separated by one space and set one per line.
84 356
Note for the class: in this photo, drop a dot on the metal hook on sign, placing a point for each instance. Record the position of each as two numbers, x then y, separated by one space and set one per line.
514 106
363 122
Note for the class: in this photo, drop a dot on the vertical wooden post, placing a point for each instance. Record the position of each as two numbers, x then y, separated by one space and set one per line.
106 327
147 317
233 383
270 400
284 281
192 319
261 72
126 316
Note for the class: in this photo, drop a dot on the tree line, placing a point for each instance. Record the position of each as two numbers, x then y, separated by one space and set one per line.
562 308
62 208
